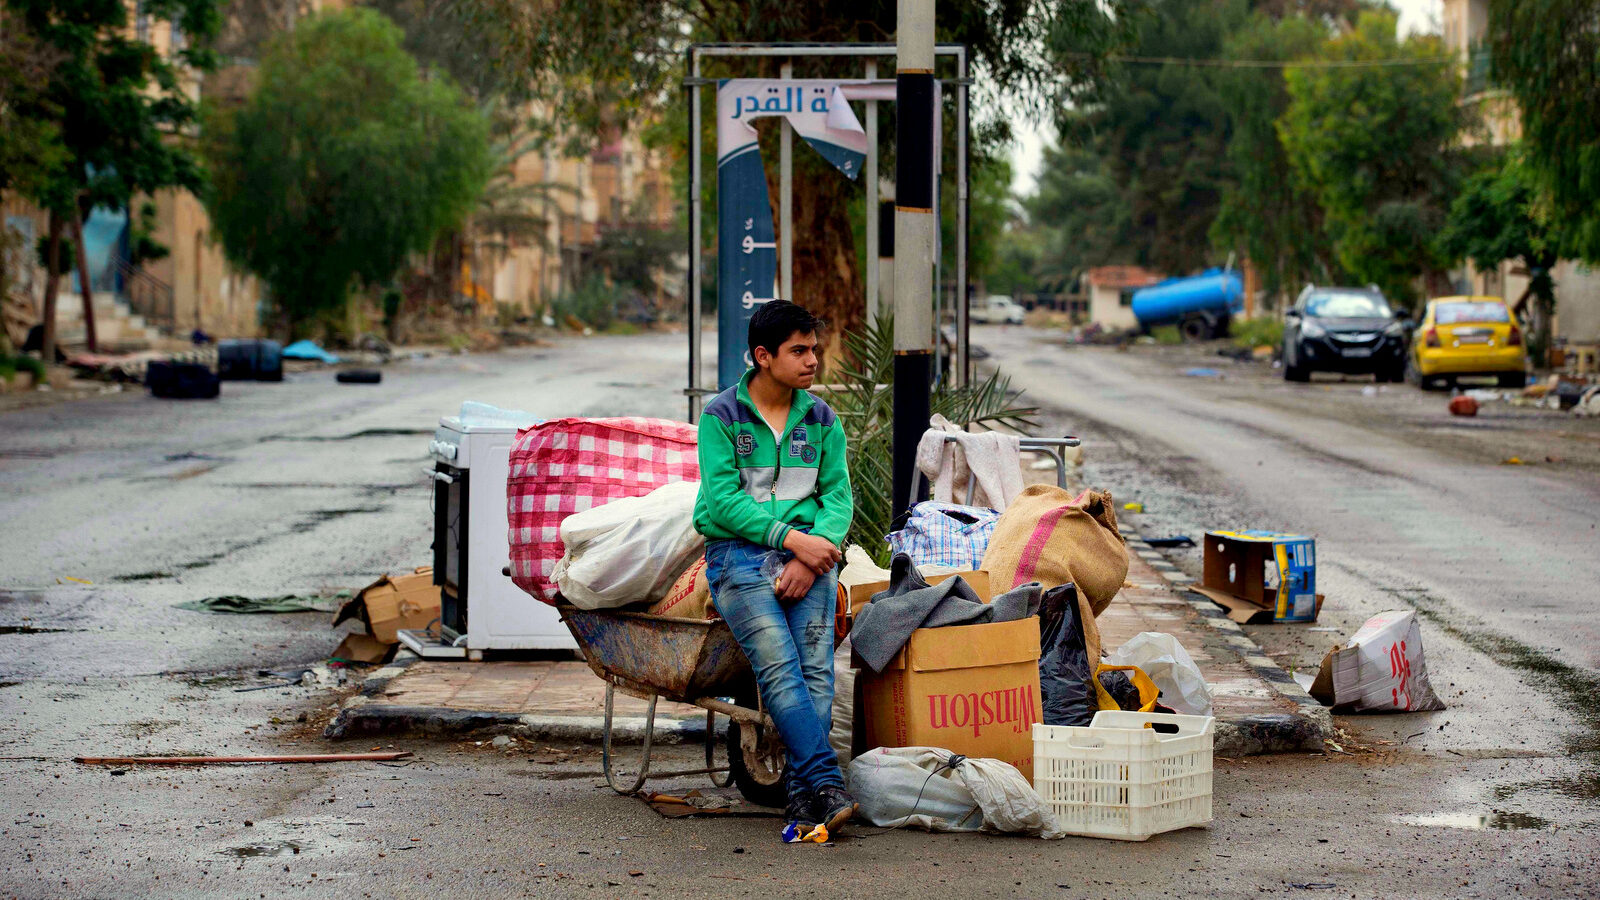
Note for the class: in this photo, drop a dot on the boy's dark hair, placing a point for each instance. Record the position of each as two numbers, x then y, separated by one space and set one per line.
775 322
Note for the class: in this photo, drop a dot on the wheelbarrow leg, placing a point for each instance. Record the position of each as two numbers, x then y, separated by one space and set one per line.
644 756
711 752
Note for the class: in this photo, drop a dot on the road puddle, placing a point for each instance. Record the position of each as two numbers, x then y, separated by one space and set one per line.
1491 821
276 848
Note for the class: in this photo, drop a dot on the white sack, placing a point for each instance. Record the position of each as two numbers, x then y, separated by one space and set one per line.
629 550
913 787
842 729
1171 668
859 568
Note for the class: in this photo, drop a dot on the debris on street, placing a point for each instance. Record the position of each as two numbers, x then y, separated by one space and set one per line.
1236 566
386 606
305 349
1177 540
1381 669
382 756
286 603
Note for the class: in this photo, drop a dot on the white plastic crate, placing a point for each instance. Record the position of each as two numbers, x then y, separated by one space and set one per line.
1119 779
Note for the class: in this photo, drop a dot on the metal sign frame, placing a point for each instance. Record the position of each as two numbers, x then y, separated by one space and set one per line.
872 53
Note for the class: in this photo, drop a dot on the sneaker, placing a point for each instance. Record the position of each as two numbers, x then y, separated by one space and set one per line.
797 814
834 807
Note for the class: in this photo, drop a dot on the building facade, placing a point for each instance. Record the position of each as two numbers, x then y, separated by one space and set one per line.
1110 290
1577 286
195 287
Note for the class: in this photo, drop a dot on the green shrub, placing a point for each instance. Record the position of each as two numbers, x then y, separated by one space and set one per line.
1167 335
593 302
1263 331
11 365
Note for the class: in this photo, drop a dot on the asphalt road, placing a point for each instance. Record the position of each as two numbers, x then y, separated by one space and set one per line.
310 487
1411 508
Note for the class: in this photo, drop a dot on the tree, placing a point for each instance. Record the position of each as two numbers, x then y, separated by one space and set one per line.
1547 54
462 40
988 211
1376 146
1081 215
1499 216
342 162
569 52
1162 133
1265 215
119 108
31 152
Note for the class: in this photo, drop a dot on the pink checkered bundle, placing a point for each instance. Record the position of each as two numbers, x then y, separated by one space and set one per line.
565 466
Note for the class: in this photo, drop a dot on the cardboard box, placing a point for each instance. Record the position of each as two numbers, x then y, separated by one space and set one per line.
861 594
394 602
363 648
969 689
1260 576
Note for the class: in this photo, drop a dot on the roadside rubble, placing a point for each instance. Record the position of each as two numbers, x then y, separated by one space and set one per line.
386 607
1381 669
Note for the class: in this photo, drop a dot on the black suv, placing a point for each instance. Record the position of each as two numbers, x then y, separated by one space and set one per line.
1343 329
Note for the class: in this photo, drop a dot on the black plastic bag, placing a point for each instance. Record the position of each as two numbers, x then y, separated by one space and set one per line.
1121 688
1066 674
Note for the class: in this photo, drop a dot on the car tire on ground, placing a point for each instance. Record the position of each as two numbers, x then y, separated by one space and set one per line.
1513 380
1294 372
1415 376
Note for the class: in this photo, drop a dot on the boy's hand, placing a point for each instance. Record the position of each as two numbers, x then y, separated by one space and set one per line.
817 553
795 580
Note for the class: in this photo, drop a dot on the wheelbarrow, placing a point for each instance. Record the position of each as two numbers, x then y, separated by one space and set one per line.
685 661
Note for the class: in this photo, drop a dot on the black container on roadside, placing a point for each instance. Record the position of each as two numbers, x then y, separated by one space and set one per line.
249 359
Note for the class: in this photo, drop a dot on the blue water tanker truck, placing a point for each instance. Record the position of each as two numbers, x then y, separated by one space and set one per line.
1200 306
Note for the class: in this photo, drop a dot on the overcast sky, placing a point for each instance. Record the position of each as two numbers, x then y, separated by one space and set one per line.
1415 15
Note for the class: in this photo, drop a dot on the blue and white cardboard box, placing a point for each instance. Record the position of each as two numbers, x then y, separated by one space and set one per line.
1262 576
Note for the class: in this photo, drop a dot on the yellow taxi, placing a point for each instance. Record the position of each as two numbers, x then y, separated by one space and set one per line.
1467 336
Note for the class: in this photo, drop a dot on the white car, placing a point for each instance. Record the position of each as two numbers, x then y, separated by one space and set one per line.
997 308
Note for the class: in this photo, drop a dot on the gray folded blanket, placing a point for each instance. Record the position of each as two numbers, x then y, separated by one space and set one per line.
884 625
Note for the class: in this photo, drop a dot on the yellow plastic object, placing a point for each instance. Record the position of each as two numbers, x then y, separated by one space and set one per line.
1133 507
1148 692
818 835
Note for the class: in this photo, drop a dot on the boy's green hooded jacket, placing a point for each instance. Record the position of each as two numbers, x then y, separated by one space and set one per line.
758 488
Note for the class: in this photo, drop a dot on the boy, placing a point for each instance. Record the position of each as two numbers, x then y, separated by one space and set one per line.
773 483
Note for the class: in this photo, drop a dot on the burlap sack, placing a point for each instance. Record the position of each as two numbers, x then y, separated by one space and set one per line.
690 597
1049 536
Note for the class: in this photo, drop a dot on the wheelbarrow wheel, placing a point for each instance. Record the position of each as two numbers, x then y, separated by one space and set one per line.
756 763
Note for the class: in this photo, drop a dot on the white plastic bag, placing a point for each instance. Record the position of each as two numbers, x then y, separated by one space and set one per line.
917 787
629 550
1171 668
1380 670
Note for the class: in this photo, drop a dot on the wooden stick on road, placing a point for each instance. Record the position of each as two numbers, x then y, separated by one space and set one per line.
210 760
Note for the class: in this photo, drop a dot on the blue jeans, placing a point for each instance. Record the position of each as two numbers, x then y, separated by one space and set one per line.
790 647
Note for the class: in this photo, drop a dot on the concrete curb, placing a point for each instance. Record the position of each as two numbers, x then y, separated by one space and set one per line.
360 718
1304 729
